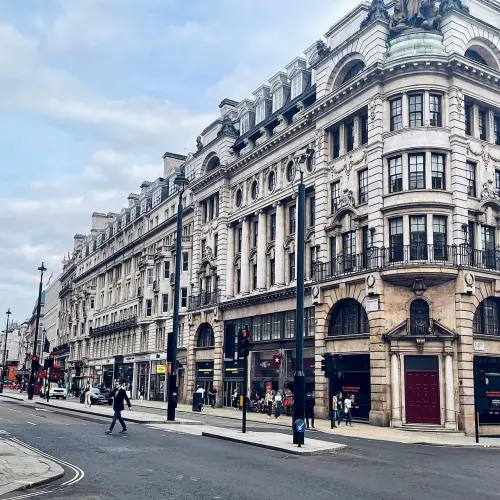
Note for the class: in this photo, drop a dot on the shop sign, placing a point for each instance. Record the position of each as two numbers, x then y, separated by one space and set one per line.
478 346
141 357
233 369
371 305
205 369
161 370
100 362
154 357
128 359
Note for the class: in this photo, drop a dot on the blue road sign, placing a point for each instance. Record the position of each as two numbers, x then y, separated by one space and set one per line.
300 426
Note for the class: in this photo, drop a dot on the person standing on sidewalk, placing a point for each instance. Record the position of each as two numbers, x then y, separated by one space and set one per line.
277 405
88 394
310 404
119 396
347 410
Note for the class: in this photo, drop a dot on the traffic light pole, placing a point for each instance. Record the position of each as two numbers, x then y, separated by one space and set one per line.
4 357
245 396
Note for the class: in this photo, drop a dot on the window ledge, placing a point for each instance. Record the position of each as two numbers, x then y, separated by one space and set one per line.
485 336
350 336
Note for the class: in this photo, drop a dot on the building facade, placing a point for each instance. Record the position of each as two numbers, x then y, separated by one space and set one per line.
393 121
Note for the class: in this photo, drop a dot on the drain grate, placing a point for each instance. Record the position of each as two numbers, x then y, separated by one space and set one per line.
6 454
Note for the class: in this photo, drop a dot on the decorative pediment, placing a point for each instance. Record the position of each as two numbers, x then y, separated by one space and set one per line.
270 250
435 331
290 243
310 235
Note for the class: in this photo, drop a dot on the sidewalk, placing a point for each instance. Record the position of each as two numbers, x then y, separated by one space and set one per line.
21 468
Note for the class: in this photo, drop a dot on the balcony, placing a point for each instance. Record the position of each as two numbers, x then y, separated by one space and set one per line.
205 299
115 327
67 288
140 291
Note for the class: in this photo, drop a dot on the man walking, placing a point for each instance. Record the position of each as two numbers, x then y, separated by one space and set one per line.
119 396
310 404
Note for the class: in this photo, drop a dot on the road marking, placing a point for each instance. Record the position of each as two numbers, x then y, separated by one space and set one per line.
31 423
11 409
43 409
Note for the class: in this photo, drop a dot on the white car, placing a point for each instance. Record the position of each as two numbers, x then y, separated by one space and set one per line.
57 391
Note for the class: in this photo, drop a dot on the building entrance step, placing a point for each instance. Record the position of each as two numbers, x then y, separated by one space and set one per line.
430 428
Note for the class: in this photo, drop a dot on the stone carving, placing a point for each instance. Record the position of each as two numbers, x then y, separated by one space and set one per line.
459 94
378 12
431 15
208 254
483 152
348 164
419 14
447 5
264 136
282 125
297 116
347 199
322 49
247 148
372 107
227 127
490 192
199 144
397 22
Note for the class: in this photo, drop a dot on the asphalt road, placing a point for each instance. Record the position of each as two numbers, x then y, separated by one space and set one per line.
150 463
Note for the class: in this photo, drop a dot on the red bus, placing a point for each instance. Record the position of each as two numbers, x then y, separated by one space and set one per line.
55 375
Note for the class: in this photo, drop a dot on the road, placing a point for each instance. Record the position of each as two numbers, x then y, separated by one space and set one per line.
151 463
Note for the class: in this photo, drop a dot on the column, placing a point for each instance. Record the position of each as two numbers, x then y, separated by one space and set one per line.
106 285
261 251
475 121
245 249
229 262
405 111
342 148
427 110
395 391
450 421
279 244
490 133
357 132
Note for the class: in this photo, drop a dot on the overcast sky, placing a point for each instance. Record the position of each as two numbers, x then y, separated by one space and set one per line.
93 92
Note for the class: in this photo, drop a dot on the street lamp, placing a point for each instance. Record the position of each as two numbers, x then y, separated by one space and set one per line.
31 384
4 357
300 160
181 182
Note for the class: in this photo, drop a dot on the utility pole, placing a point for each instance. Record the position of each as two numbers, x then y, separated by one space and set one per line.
4 357
34 358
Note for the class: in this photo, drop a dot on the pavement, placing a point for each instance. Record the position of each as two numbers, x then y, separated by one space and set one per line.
21 468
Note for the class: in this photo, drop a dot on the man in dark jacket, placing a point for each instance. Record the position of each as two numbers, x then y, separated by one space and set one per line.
310 404
119 396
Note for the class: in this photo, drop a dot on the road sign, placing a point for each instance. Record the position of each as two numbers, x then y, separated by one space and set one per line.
300 426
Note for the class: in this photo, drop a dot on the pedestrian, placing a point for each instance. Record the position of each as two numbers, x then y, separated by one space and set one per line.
340 408
277 405
234 399
201 390
335 411
141 394
310 404
347 409
88 394
119 396
212 397
268 402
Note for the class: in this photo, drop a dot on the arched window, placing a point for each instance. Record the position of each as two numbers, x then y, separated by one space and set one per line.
487 317
348 317
205 336
474 56
419 317
355 70
213 163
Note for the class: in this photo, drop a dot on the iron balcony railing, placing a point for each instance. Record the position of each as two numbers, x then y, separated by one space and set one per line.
406 255
205 299
116 326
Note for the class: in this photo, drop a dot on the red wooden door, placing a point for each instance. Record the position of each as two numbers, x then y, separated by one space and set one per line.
422 397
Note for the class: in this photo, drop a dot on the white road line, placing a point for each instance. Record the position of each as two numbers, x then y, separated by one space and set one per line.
31 423
11 409
43 409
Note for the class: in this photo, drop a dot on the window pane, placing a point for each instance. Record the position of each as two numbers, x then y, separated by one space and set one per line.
363 186
335 196
418 238
416 110
396 174
439 237
417 171
396 239
435 110
396 114
437 170
471 178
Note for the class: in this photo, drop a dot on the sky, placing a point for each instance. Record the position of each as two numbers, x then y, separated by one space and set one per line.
94 92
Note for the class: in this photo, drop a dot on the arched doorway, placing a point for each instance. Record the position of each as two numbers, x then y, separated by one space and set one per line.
419 317
205 336
348 317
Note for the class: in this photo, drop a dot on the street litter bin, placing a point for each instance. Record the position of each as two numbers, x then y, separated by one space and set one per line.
197 401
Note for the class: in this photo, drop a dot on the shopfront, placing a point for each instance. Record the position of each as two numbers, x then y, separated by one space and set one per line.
233 379
101 372
158 374
487 389
205 376
142 378
124 371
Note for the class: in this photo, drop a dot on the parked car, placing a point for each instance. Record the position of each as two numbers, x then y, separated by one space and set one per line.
56 391
96 396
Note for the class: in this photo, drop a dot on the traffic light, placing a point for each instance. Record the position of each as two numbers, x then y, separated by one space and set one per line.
49 362
327 365
244 342
35 364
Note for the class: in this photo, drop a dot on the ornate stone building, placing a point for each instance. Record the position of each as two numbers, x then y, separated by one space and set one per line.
397 115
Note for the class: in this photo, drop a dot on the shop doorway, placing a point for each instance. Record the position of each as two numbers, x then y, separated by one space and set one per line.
207 385
422 390
229 387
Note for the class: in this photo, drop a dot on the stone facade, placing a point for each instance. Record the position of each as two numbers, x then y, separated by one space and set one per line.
397 115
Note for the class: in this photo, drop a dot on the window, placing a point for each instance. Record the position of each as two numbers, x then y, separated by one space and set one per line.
474 56
497 179
156 197
255 234
291 266
435 110
468 119
203 246
244 124
216 244
313 259
335 196
254 276
296 86
471 179
417 171
396 239
291 219
488 237
260 112
149 307
150 276
496 129
206 336
185 260
272 227
482 124
184 297
255 190
164 303
311 162
277 100
396 174
487 317
271 180
290 171
349 133
354 71
437 171
239 233
239 197
415 102
166 269
439 238
363 186
349 249
419 317
396 114
272 265
418 237
312 211
336 142
333 249
348 318
364 128
92 303
238 280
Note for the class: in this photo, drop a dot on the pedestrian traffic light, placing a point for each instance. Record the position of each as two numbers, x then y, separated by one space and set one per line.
35 364
244 342
49 362
327 365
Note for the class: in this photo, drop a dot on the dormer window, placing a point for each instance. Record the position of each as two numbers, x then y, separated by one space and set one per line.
244 124
277 100
260 112
474 56
108 233
355 70
157 197
132 214
115 227
144 206
297 85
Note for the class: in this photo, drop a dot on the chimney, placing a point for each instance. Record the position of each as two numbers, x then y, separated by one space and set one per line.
98 221
227 106
171 161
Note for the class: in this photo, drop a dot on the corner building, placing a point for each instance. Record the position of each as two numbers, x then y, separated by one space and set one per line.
402 111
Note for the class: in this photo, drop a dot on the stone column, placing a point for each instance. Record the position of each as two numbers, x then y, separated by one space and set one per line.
106 291
245 254
427 109
396 391
229 262
279 244
405 110
475 121
261 250
132 290
450 421
357 132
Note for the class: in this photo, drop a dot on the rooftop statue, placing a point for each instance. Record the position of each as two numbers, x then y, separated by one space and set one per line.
418 14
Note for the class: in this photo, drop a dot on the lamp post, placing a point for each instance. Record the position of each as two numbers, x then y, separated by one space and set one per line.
300 159
181 182
31 384
4 357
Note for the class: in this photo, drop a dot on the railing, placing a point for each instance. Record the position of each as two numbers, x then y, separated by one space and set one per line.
405 255
203 300
116 326
68 287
